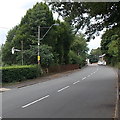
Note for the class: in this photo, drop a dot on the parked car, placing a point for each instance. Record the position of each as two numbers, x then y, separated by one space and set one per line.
101 62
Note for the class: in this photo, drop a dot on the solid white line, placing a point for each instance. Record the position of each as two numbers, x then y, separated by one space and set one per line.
84 78
76 82
35 101
63 88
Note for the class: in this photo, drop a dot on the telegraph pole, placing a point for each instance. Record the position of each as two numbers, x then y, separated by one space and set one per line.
38 57
22 51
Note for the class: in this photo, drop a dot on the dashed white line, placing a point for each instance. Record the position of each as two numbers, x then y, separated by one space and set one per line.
63 88
88 76
35 101
84 78
91 73
76 82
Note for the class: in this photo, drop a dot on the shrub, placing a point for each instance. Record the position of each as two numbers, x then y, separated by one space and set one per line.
19 73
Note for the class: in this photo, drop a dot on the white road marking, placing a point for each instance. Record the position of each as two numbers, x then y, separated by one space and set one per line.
88 76
76 82
84 78
63 88
91 73
35 101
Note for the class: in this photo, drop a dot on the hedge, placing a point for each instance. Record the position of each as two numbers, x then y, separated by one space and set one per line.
19 73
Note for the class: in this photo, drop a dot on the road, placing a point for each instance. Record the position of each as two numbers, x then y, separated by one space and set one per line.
87 93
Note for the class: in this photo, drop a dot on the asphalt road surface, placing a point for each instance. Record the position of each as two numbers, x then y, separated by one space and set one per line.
87 93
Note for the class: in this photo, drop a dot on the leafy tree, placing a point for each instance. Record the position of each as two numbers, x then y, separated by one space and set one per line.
82 14
39 15
46 55
63 42
27 32
79 49
113 46
110 45
6 49
79 45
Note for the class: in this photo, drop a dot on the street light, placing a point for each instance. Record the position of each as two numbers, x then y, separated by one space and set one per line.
13 51
39 38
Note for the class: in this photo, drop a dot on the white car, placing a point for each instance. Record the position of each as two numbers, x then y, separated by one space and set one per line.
101 62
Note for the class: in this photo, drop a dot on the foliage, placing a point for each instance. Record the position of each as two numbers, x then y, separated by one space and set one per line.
94 55
26 31
95 16
1 56
79 45
113 46
59 38
110 45
19 73
63 43
79 49
47 57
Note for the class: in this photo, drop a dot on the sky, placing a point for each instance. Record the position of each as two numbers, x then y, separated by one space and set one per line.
11 12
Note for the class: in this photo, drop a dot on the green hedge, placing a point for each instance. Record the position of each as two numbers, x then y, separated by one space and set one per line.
19 73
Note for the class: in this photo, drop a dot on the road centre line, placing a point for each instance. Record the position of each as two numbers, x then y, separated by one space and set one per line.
84 78
76 82
35 101
63 88
88 76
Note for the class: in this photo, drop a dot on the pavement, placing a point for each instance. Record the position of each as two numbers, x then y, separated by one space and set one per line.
87 93
47 77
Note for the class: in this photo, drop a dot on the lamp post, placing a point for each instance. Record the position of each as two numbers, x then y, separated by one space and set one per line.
39 39
17 50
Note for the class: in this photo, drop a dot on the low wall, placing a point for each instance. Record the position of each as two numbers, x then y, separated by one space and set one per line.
62 68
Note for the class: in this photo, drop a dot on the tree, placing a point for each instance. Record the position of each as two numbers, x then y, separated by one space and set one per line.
94 55
95 16
110 45
46 55
113 46
79 49
64 39
39 15
27 32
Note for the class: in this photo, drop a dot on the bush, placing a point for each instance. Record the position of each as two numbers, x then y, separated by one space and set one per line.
19 73
76 59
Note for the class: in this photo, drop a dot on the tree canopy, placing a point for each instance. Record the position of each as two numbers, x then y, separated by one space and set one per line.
55 46
110 45
94 16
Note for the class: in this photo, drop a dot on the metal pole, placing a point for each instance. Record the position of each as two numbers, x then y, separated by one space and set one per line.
22 51
38 58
